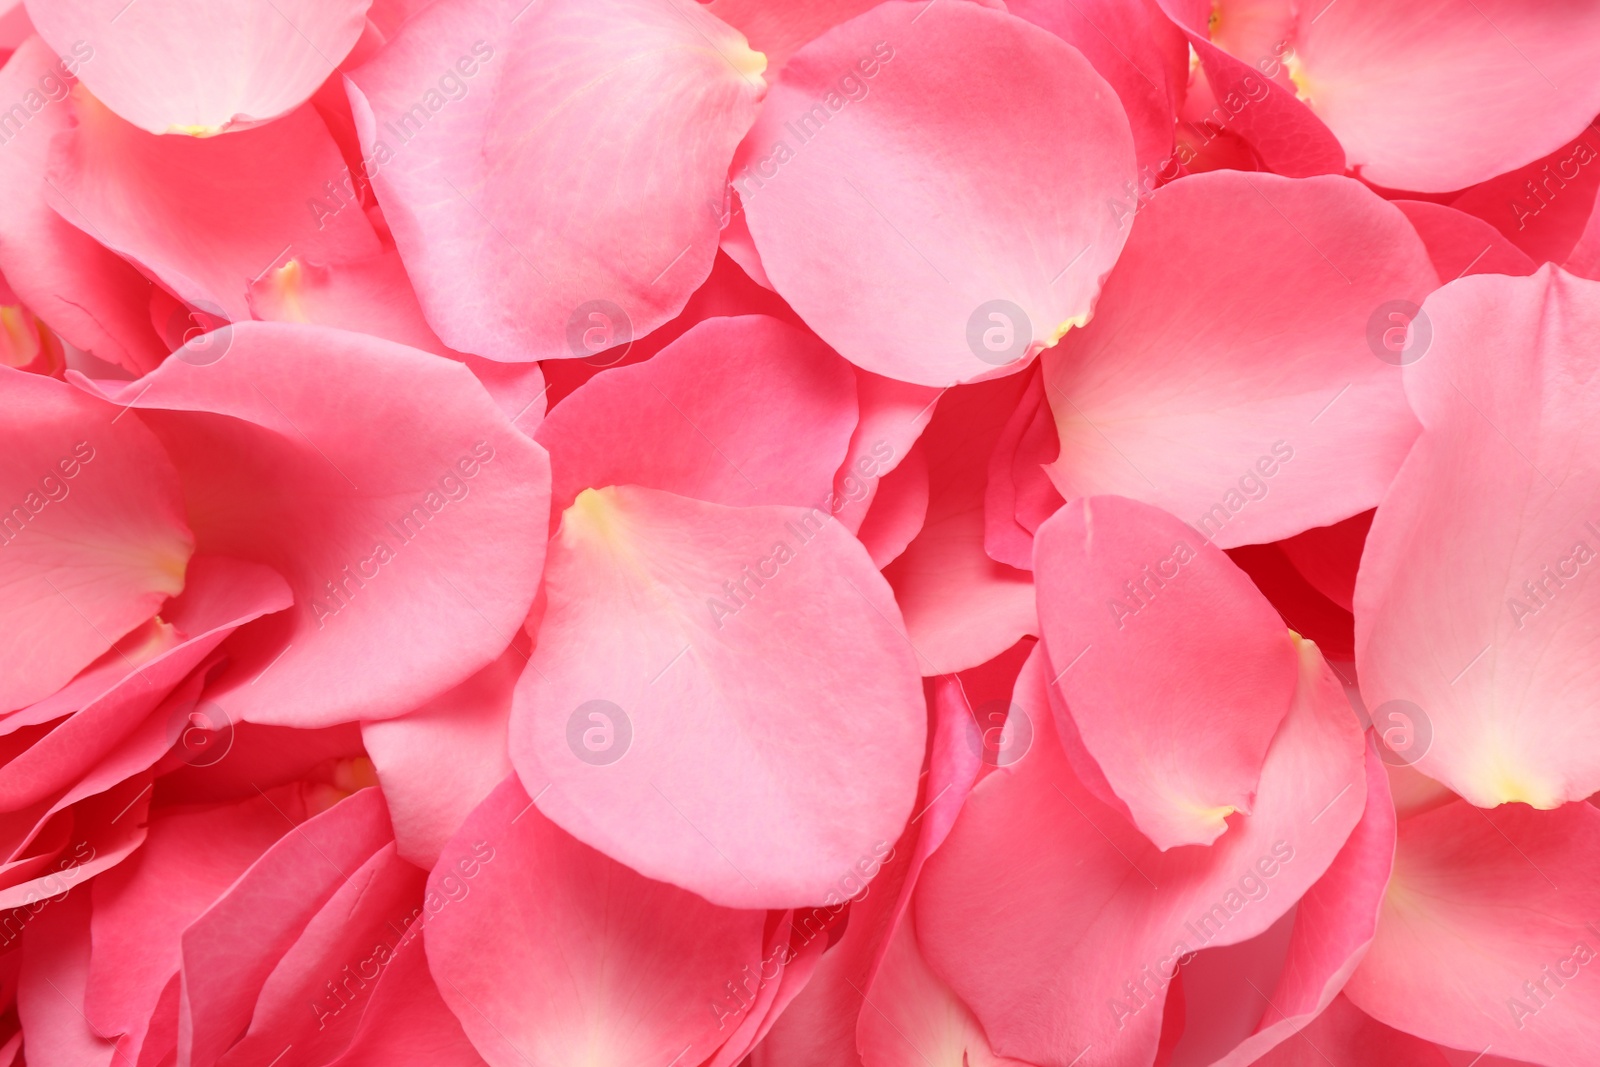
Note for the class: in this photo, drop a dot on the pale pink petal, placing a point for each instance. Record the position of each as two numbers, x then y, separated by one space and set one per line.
612 967
915 1019
1487 927
93 538
722 698
205 217
943 206
566 160
50 990
1247 397
199 68
1475 605
1433 96
406 513
738 411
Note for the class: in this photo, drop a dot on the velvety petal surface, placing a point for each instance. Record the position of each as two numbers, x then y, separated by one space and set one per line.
722 698
192 67
1475 604
542 166
1245 396
927 187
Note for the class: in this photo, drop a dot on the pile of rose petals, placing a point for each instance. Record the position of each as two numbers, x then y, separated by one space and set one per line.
799 533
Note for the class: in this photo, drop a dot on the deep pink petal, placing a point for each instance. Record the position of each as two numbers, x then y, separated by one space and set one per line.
1345 1036
353 935
50 991
93 298
221 596
1020 495
141 907
1250 103
408 1019
1460 244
